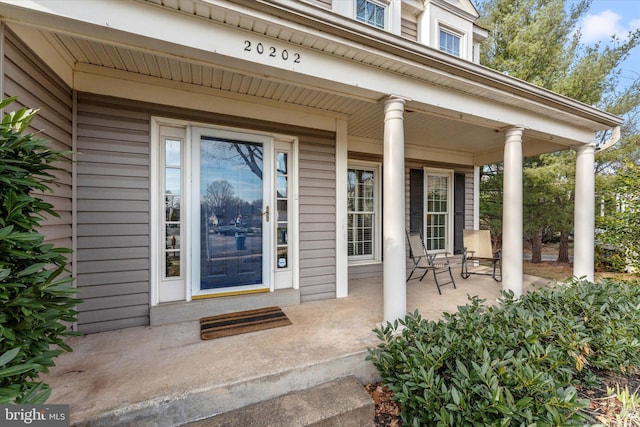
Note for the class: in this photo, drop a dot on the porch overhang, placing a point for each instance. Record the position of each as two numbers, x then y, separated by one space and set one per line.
457 110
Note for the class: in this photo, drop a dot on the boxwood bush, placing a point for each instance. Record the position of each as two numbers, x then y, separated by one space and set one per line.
36 299
518 363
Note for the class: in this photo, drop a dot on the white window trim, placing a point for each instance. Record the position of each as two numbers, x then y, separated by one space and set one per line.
156 201
454 32
449 173
376 257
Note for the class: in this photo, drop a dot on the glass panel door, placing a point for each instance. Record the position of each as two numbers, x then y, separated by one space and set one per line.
233 215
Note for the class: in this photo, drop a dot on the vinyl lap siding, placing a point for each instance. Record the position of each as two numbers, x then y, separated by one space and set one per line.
322 3
365 271
317 219
409 28
468 201
113 215
36 86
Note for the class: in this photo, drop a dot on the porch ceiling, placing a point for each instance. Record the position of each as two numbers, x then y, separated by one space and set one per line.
99 48
364 113
169 40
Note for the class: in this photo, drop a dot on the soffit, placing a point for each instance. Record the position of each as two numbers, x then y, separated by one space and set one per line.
365 117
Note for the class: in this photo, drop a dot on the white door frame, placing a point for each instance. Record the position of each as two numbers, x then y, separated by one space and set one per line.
276 279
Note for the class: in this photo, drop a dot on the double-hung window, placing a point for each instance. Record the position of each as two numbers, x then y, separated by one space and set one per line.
438 211
370 12
450 42
363 211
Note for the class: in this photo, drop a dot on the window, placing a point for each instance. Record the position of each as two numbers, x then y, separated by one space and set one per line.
362 208
438 211
172 198
370 12
449 42
282 213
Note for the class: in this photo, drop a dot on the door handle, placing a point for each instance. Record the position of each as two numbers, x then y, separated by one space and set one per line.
265 213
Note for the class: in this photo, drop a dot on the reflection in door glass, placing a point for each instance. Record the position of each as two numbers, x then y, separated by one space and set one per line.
230 213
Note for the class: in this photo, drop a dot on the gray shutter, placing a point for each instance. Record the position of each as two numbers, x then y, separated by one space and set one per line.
458 208
416 200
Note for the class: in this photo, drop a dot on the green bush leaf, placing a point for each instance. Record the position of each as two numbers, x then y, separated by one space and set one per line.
517 361
8 356
37 306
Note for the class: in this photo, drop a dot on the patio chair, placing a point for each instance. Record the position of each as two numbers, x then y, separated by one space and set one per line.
437 263
478 251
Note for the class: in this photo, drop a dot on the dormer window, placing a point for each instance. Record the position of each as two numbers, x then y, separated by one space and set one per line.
370 12
450 42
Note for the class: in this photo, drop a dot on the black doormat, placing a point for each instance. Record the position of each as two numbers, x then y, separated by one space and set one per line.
242 322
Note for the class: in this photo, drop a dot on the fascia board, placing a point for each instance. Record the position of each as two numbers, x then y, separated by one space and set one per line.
331 23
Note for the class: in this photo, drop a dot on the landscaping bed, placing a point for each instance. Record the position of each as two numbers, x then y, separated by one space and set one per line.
567 355
609 403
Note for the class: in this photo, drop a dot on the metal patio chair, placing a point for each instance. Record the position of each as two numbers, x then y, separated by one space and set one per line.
479 251
437 263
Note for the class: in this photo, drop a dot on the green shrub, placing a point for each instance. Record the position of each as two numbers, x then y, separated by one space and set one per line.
36 300
514 364
609 259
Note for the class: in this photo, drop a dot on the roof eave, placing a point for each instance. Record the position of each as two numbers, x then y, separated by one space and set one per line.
324 20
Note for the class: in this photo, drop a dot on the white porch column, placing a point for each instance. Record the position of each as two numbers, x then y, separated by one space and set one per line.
584 213
394 246
512 212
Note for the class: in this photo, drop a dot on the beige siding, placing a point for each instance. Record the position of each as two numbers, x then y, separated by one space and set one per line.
36 86
409 28
365 271
407 207
468 201
317 219
113 215
322 3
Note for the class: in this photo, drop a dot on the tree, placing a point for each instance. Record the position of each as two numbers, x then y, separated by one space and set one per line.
548 202
219 197
621 223
538 41
37 301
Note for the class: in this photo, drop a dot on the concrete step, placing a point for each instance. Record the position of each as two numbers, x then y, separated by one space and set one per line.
176 408
342 402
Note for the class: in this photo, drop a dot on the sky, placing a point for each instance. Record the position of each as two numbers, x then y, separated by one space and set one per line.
608 17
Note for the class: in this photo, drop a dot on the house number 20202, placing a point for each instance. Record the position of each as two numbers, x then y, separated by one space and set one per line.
272 52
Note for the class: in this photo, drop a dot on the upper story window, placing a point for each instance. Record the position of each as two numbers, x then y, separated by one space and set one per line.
450 42
370 12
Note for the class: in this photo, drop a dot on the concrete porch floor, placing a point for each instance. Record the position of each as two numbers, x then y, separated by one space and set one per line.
166 375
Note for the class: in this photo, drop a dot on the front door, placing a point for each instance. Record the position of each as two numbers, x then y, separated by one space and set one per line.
231 180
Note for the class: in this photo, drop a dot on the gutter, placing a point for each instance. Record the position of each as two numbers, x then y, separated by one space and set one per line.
615 137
